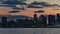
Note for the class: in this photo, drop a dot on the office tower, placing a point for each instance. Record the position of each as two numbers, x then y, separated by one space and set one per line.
20 22
51 20
35 21
58 15
58 18
12 24
42 20
4 21
35 18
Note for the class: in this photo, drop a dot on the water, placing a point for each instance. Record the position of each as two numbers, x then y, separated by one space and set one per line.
29 30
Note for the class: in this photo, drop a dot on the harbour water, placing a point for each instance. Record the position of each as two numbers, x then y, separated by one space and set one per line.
29 31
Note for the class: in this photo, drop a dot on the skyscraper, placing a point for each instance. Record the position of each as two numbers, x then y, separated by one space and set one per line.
51 19
4 21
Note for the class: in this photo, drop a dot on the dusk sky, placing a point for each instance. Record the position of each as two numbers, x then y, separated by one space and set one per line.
49 1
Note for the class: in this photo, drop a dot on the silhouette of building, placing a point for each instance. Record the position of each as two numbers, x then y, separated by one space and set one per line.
20 22
4 21
35 18
58 15
35 21
51 20
28 22
42 20
11 24
58 18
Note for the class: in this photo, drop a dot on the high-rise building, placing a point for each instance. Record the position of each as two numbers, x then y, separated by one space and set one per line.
4 21
35 21
35 18
51 19
58 18
42 20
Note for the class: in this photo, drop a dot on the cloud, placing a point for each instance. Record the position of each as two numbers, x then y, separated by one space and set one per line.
49 1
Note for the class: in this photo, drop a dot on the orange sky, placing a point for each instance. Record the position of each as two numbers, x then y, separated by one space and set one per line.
28 11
